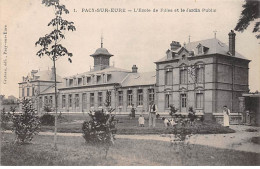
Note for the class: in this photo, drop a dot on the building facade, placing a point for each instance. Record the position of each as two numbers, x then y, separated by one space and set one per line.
88 91
205 75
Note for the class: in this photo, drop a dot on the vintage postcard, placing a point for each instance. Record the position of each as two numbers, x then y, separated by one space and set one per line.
130 82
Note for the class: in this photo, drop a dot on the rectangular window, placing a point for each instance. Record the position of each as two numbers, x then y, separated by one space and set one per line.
183 76
70 100
199 100
129 98
40 102
70 82
98 78
63 101
167 100
120 98
84 101
168 77
80 81
76 100
100 99
92 97
139 97
50 101
28 91
200 75
183 100
88 80
151 95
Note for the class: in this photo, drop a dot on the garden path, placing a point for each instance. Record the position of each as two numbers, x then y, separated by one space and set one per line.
241 140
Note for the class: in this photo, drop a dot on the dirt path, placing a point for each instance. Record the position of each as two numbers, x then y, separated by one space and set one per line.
241 140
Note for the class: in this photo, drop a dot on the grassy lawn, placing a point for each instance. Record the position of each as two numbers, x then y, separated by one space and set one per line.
73 151
72 123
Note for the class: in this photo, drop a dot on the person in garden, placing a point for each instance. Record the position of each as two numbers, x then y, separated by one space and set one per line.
133 111
226 113
141 120
152 114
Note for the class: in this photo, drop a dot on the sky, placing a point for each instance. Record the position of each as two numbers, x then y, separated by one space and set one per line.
139 38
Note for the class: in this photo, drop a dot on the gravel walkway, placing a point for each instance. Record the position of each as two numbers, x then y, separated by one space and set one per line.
241 140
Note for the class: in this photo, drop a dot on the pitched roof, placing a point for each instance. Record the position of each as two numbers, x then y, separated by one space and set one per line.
106 70
46 75
214 46
101 51
51 89
117 76
139 79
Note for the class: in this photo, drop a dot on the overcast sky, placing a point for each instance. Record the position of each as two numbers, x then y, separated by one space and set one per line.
133 38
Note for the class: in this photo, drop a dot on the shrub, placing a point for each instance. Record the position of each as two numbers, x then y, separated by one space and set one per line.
47 108
101 128
5 118
255 140
173 110
27 124
47 119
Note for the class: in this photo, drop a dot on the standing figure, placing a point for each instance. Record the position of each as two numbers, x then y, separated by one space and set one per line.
152 114
226 113
141 120
132 111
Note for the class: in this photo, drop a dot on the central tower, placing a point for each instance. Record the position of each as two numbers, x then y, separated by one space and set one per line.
101 57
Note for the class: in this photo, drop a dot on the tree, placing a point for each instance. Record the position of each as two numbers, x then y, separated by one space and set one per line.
51 46
249 14
27 124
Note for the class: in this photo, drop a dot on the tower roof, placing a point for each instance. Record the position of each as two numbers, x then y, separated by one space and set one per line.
102 51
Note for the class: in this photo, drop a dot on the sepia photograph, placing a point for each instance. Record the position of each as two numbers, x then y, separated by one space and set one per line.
130 82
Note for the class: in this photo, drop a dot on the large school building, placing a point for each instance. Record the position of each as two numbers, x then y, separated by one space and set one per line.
205 75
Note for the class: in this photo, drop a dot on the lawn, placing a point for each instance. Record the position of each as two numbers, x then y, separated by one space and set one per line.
72 123
73 151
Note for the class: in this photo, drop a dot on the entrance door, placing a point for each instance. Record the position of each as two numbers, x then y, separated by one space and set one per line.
183 103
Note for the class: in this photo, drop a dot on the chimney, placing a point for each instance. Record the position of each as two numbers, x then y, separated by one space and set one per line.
134 69
232 41
175 45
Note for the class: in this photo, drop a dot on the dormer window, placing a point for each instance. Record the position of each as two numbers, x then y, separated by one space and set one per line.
79 81
183 57
98 78
108 77
88 79
70 82
202 49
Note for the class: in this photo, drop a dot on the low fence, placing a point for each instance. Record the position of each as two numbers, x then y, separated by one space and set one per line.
234 118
